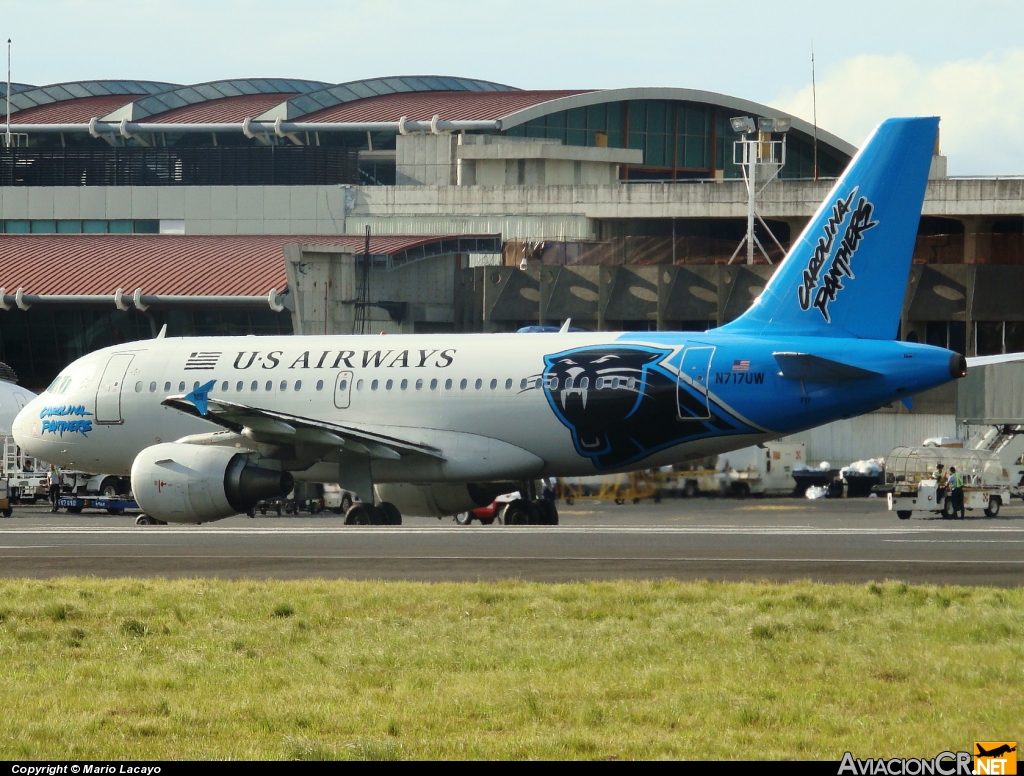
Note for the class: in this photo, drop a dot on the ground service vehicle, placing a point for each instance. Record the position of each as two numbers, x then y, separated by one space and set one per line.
909 470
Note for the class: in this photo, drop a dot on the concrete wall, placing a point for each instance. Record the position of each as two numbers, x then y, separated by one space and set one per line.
542 212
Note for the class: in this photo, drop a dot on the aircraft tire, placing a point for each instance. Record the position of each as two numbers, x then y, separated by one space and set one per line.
464 518
7 512
903 514
547 512
993 506
389 513
364 514
520 512
144 520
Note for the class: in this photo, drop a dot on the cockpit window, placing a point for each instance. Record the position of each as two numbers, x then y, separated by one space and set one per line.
52 387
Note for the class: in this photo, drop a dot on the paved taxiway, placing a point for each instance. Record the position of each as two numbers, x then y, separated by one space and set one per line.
843 540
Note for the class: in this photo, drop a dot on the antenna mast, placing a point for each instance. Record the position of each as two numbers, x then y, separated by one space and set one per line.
814 102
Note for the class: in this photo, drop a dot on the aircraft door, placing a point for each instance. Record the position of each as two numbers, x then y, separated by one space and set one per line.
108 393
343 390
694 375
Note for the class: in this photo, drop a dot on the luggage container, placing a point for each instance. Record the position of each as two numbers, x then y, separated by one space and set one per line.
908 471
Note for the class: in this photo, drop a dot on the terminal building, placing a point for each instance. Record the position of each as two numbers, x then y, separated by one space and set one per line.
437 204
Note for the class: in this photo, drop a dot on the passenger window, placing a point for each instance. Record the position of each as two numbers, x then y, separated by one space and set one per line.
479 384
138 387
359 385
298 385
224 385
494 384
405 384
152 387
448 384
539 383
599 384
584 383
568 383
631 383
181 386
615 383
508 384
388 385
343 386
239 385
522 385
284 385
195 385
270 385
433 384
319 385
419 385
167 386
463 383
255 386
373 385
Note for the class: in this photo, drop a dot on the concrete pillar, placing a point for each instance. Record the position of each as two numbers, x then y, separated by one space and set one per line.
323 283
977 243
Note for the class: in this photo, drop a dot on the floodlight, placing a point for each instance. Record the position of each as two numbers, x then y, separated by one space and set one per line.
780 124
742 124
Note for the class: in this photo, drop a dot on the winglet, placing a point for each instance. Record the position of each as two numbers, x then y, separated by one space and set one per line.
565 326
200 397
163 332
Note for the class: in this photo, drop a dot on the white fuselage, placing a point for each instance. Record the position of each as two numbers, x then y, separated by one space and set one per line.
463 394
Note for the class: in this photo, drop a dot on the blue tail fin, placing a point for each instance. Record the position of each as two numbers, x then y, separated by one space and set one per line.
846 275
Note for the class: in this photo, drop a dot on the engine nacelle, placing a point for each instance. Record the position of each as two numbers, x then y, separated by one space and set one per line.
180 483
440 500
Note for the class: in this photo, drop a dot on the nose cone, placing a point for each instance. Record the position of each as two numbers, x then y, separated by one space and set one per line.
36 437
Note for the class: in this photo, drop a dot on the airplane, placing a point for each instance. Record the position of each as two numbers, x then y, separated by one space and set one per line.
12 399
996 752
436 424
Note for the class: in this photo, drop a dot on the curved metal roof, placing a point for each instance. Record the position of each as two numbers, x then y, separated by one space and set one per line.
183 96
740 106
352 91
33 96
421 106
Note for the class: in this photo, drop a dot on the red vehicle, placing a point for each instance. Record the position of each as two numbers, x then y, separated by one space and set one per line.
488 514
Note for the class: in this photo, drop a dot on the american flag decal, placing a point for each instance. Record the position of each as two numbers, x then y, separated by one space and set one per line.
203 360
741 365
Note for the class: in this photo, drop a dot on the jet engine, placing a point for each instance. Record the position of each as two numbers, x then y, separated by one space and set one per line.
440 500
180 483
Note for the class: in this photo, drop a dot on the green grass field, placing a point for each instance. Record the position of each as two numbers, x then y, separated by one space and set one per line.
334 669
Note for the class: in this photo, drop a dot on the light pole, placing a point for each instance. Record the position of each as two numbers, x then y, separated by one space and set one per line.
749 155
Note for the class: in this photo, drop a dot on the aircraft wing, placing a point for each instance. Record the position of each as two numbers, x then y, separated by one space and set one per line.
286 428
815 369
1002 358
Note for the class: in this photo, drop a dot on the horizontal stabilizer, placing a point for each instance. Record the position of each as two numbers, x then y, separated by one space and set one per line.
815 369
1001 358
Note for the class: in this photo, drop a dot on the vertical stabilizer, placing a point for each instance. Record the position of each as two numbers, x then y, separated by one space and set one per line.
846 275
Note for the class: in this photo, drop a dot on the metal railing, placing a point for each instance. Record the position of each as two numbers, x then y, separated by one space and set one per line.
180 166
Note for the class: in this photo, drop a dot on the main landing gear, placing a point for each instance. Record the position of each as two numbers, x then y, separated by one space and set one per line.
384 513
147 520
530 510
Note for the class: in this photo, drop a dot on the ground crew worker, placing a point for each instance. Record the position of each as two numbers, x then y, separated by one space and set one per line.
956 491
53 480
940 483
